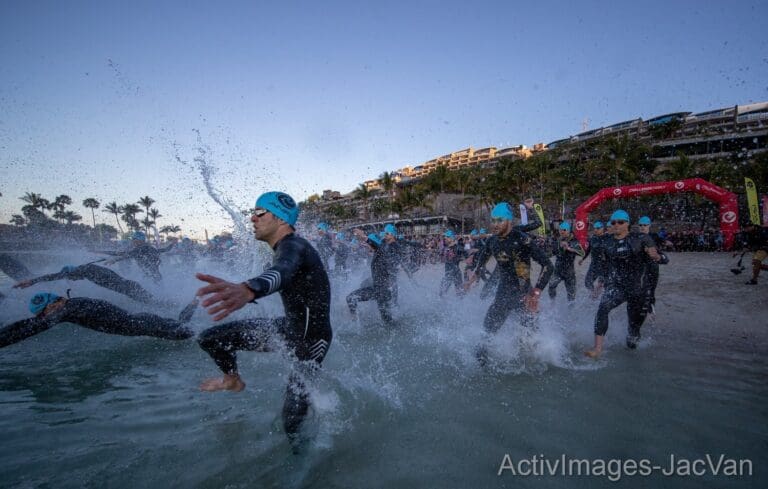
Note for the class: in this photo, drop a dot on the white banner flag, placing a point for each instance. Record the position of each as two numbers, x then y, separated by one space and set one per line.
523 214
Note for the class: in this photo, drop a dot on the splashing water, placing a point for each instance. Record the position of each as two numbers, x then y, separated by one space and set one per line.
204 164
407 403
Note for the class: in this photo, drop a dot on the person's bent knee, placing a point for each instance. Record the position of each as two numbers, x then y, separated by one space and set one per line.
208 339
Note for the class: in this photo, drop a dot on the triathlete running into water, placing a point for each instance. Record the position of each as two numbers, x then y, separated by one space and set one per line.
298 275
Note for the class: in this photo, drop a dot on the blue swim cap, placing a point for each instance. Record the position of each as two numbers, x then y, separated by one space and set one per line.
645 220
40 301
281 205
565 226
340 236
390 229
354 241
138 235
68 268
323 226
620 215
502 211
375 238
483 231
449 234
598 225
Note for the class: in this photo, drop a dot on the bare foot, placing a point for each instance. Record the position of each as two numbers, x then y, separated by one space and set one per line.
592 353
227 383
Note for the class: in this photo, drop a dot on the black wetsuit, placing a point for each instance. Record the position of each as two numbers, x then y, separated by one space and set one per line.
652 270
101 316
492 278
411 255
147 258
103 277
453 256
625 282
564 269
325 248
513 254
755 240
341 255
297 273
597 266
383 290
491 282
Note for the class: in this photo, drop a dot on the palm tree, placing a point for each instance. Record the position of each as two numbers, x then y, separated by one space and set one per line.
380 207
129 216
146 202
31 198
438 179
388 185
153 214
115 209
628 158
362 192
18 220
36 201
147 223
59 215
71 217
91 203
62 201
411 197
34 216
679 169
58 205
172 229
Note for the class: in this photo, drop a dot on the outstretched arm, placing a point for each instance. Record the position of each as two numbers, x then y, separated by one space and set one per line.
21 330
227 297
478 264
534 222
43 278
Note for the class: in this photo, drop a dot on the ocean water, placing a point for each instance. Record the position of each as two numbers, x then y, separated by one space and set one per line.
405 406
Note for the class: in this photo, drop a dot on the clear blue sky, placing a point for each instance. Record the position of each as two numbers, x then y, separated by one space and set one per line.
97 99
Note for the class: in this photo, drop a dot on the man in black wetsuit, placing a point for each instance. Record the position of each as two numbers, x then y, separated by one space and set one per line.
341 254
492 279
626 255
513 251
597 266
50 310
324 243
383 287
453 254
651 267
298 275
101 276
146 256
567 249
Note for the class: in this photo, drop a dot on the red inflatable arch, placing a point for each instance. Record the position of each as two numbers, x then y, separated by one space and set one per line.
729 209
